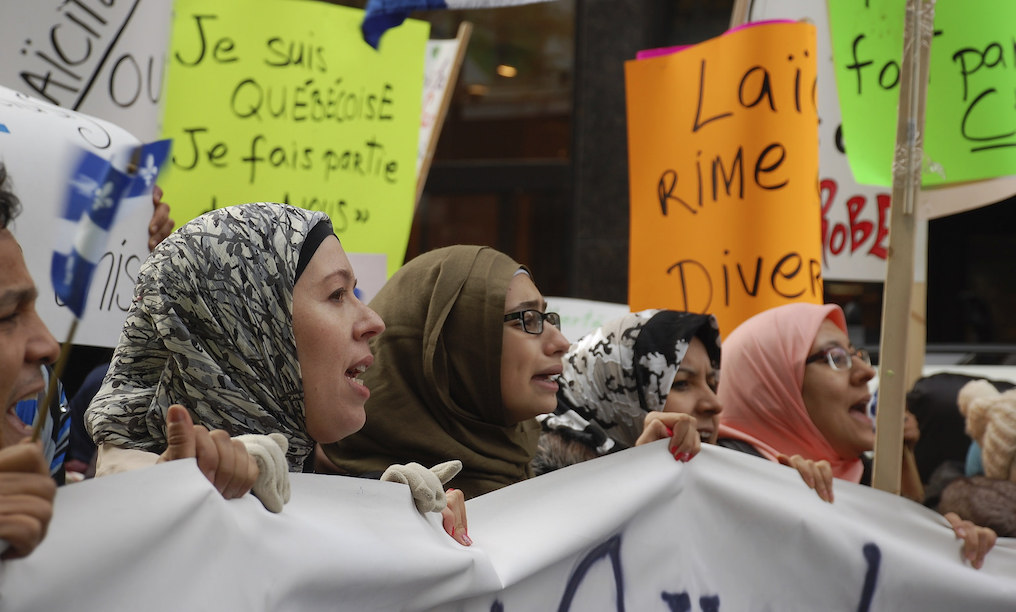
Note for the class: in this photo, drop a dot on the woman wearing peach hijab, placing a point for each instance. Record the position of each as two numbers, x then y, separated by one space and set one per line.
795 391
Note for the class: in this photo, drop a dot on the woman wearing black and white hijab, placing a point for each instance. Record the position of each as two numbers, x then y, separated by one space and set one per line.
638 378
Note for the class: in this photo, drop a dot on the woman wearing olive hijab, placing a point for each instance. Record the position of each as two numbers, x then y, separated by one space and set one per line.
468 359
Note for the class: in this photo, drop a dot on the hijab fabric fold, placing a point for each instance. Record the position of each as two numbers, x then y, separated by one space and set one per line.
211 327
763 377
436 380
617 373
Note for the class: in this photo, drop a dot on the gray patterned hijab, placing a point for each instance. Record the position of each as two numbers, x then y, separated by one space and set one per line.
617 373
211 327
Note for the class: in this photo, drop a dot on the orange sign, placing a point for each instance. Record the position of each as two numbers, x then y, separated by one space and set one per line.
723 172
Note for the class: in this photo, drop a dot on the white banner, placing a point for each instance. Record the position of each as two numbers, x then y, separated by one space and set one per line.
631 531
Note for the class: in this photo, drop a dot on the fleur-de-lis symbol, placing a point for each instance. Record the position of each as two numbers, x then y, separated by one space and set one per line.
150 171
69 272
103 197
85 185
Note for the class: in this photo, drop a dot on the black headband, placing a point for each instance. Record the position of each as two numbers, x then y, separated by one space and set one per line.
319 232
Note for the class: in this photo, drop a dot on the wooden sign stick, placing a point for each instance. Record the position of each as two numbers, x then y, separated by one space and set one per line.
917 34
739 14
41 410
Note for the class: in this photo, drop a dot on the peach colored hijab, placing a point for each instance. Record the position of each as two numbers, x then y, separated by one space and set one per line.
760 389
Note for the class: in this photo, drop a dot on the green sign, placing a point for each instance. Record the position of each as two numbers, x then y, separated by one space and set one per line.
270 100
970 115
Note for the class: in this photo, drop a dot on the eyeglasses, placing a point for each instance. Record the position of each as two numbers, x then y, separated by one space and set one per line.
532 320
840 358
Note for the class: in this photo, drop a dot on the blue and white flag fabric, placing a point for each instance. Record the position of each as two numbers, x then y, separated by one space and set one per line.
380 15
96 190
56 429
150 159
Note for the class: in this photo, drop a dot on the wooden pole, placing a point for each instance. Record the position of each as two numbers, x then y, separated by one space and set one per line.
917 338
41 410
896 301
739 16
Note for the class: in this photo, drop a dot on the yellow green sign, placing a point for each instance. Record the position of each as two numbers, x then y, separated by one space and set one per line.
282 100
970 116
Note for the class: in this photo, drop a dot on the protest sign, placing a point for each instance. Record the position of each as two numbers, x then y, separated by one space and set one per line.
40 144
855 217
970 127
441 71
283 101
579 317
371 271
635 530
723 167
95 192
105 59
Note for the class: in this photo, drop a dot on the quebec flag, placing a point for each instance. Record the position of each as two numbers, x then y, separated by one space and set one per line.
96 190
380 15
150 159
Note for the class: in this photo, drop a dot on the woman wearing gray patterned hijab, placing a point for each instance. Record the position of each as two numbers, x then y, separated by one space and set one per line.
247 317
625 383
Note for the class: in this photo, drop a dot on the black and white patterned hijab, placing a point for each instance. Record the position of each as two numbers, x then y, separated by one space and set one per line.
616 374
211 327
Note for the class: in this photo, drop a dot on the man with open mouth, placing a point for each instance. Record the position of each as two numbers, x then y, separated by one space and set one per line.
26 346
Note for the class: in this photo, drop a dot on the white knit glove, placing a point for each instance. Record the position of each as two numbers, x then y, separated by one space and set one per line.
426 485
272 485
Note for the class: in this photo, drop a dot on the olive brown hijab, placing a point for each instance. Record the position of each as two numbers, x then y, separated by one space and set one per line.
436 380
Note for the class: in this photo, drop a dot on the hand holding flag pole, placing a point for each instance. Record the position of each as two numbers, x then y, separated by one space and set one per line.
96 191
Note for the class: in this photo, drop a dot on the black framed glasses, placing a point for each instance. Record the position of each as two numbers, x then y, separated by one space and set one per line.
840 358
532 320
